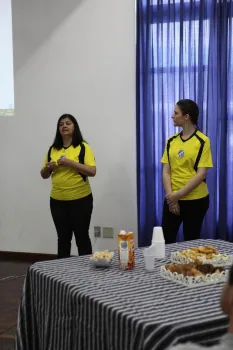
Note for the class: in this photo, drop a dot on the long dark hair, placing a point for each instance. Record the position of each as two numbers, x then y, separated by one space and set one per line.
77 138
191 108
230 276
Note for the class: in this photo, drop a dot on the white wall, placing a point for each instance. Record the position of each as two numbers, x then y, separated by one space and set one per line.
76 57
6 59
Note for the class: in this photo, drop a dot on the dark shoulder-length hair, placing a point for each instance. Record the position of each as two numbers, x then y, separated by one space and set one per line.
77 135
191 108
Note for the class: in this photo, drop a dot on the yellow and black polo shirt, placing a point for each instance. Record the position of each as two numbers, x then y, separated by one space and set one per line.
67 184
185 157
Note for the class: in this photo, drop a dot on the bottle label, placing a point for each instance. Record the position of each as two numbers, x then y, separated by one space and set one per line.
124 252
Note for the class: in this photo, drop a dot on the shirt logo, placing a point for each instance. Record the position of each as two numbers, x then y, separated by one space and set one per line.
180 153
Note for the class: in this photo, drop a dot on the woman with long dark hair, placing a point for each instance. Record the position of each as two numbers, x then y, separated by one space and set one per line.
186 159
70 161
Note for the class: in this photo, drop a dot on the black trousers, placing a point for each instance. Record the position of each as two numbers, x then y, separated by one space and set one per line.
192 213
72 217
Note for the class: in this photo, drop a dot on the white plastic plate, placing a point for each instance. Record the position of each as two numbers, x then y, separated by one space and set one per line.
190 281
218 260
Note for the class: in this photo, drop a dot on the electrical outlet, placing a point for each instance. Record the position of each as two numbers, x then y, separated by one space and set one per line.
107 232
97 231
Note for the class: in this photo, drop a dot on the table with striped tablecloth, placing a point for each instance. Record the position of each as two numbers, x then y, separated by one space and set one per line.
70 305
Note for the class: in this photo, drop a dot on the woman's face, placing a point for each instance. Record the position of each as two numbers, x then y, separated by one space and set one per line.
66 127
178 118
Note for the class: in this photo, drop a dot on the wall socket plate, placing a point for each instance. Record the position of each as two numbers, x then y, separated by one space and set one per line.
97 231
108 232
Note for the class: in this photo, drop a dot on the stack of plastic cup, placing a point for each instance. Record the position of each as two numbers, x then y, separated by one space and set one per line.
158 242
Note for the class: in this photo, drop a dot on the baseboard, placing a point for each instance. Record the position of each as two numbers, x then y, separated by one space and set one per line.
25 257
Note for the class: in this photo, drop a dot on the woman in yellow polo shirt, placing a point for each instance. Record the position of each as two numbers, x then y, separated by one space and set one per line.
70 161
186 159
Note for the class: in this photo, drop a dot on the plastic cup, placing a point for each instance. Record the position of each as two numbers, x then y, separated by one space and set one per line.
159 248
149 260
157 235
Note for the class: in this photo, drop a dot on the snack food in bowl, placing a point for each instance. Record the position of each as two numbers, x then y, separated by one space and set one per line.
102 259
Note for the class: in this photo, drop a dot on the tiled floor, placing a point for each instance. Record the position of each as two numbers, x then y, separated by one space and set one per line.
11 282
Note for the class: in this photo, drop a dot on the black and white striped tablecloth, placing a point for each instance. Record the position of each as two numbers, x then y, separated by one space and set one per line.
70 305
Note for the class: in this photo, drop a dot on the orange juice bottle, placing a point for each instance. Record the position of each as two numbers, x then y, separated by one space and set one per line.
126 250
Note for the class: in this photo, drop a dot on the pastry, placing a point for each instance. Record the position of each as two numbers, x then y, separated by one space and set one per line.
199 253
194 270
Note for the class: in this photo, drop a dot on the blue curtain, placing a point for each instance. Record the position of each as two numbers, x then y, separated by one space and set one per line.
184 50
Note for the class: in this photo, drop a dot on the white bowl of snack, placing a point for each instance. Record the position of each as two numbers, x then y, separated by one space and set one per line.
102 259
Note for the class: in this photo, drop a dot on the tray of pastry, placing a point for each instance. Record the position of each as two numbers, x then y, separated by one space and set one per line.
194 275
203 255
